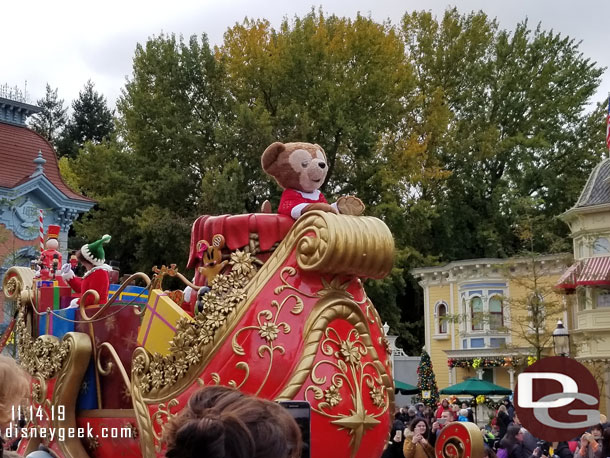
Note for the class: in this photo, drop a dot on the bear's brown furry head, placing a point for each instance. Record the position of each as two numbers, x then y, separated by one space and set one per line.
296 165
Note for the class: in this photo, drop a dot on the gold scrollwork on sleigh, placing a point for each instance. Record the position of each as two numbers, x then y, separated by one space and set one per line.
356 366
324 242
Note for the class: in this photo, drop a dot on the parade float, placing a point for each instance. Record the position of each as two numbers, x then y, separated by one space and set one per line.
286 317
276 308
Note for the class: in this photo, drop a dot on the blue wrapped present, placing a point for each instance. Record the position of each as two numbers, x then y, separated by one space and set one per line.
60 322
131 294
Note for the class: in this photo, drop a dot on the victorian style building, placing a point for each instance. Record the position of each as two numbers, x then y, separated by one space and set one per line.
29 181
476 315
474 309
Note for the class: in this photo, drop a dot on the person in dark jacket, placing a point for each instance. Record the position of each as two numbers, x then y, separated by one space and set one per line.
606 442
512 442
510 409
394 448
529 442
503 420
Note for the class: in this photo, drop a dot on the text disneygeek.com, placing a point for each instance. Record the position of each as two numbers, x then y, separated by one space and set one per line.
61 434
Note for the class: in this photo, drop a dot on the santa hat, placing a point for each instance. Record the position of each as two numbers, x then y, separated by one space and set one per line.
53 232
94 252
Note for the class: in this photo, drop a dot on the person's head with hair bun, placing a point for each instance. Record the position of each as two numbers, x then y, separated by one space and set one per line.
221 422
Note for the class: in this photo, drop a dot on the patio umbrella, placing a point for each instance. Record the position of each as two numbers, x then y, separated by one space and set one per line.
404 388
474 387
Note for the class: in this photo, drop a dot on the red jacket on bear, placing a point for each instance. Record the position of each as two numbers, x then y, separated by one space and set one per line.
293 201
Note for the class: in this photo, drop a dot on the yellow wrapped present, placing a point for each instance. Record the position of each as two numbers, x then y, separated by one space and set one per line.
159 323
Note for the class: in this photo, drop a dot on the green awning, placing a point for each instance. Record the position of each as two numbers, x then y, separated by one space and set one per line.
474 387
404 388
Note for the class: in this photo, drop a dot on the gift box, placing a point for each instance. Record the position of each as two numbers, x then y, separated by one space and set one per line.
159 323
132 294
117 325
57 322
64 301
87 395
49 297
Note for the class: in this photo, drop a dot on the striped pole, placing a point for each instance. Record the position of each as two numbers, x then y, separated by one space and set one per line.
41 230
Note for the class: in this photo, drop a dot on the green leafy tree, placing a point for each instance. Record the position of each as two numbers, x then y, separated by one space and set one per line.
426 381
91 121
51 119
516 126
147 180
441 126
345 85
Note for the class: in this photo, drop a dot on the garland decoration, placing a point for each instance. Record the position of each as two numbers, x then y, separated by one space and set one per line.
495 361
186 348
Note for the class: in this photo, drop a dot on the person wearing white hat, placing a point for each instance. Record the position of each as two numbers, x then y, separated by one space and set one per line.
96 278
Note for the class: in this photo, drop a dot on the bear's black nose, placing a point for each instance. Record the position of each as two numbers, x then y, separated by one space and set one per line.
322 165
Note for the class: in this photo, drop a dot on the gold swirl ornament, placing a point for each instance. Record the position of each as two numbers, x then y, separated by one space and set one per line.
351 245
459 440
17 283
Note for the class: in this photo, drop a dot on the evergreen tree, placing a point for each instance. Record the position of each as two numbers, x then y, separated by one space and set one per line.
426 381
51 119
91 121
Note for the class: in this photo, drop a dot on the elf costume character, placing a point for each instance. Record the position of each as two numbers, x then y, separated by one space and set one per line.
96 278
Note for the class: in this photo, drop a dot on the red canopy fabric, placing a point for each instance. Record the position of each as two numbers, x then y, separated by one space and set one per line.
569 278
595 272
236 229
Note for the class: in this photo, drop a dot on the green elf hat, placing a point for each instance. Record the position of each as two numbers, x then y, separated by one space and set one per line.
94 252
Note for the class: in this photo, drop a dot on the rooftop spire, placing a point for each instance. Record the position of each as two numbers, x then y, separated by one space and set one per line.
40 162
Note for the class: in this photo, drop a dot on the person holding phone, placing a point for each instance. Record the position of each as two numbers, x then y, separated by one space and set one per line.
438 425
417 444
588 447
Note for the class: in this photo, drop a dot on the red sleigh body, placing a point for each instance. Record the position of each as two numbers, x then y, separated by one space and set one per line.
301 328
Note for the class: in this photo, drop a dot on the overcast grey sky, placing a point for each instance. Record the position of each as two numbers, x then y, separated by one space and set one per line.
67 42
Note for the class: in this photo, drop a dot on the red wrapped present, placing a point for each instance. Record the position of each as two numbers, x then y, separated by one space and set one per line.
49 297
118 326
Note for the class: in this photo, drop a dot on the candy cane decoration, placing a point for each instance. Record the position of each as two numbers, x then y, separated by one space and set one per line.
41 230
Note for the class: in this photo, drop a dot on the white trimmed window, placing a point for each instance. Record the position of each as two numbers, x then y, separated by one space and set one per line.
441 318
496 313
476 313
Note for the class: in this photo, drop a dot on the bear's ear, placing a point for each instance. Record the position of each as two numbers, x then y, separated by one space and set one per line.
270 155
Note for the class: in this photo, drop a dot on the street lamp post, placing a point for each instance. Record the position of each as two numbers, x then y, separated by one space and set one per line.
561 340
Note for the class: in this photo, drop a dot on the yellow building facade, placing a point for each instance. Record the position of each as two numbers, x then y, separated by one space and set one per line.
478 313
587 282
477 310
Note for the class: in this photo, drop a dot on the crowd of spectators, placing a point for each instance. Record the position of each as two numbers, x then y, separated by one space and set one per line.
416 429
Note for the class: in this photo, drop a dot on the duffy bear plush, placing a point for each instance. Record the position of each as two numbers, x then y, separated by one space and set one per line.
300 169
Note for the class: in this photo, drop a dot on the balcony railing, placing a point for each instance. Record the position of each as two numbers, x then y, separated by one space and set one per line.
593 319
